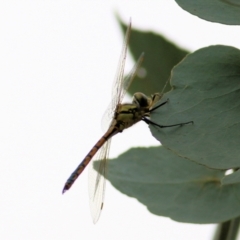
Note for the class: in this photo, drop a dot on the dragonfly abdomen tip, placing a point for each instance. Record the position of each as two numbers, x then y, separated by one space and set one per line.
65 189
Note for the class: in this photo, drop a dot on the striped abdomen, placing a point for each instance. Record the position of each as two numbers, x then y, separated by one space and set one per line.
87 159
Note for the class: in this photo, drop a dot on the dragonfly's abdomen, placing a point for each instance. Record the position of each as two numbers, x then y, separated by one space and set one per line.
89 156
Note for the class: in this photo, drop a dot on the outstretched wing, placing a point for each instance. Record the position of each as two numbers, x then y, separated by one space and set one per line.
98 167
97 181
121 84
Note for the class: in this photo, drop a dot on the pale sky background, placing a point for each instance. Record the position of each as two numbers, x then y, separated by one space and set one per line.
58 62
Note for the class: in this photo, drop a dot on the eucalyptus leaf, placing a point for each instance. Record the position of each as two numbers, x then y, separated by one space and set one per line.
231 178
206 90
221 11
171 186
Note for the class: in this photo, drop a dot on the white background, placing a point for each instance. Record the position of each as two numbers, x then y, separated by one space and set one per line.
58 61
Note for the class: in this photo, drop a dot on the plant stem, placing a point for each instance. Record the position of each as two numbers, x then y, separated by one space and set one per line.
227 230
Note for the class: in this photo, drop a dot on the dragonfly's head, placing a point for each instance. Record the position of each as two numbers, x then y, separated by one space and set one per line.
142 101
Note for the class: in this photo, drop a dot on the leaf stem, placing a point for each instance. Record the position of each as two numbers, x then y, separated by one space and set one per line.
227 230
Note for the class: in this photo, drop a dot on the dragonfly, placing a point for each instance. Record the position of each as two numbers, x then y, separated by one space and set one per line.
123 116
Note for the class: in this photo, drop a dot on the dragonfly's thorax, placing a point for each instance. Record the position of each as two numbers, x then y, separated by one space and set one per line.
127 115
130 113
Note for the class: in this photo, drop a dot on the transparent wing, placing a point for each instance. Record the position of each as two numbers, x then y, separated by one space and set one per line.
117 86
131 75
120 84
109 113
97 181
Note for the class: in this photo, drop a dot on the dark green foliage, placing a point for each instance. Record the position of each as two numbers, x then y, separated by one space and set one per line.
206 90
174 187
221 11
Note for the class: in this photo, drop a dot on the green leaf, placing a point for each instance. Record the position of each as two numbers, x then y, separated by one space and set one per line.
160 57
232 178
206 90
221 11
171 186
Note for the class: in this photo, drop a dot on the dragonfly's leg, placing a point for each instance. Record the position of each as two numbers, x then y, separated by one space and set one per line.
151 110
148 121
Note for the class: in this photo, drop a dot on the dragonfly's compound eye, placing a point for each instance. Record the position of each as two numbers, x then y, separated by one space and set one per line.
141 100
